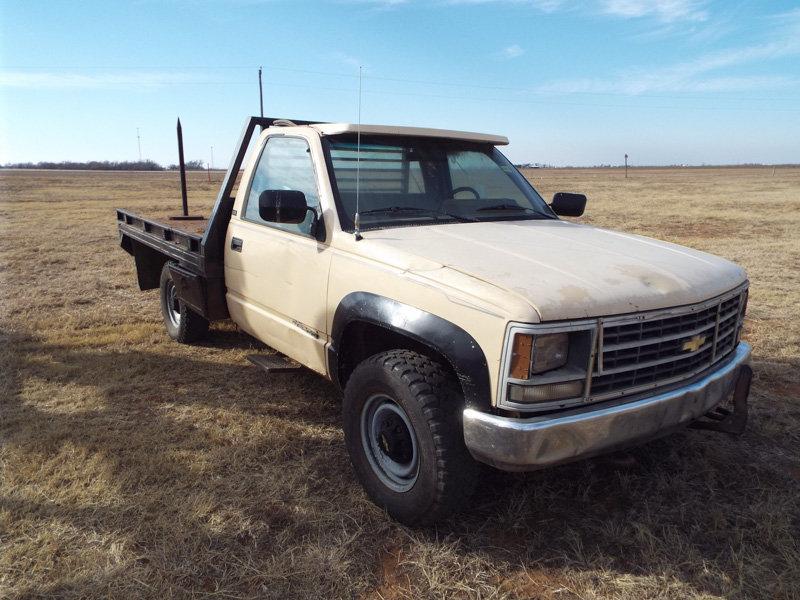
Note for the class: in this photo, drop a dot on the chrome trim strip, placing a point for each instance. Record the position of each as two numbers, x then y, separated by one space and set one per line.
655 363
593 352
533 443
514 328
600 343
599 324
651 341
676 311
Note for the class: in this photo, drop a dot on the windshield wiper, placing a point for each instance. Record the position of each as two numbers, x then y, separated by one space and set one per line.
393 209
506 207
457 217
415 209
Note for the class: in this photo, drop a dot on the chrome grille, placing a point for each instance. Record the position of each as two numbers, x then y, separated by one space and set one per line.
646 350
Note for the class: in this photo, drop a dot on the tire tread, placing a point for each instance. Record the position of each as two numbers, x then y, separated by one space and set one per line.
439 398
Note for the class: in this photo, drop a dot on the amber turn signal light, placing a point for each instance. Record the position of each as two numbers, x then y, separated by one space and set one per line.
521 356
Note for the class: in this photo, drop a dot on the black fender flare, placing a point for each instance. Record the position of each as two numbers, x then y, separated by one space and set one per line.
457 346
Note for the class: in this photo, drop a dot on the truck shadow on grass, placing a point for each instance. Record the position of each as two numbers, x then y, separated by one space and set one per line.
179 467
177 471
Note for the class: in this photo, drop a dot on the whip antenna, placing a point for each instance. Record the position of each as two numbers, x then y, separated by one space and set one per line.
356 220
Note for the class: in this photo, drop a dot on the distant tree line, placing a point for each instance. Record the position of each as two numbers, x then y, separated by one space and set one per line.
106 165
191 165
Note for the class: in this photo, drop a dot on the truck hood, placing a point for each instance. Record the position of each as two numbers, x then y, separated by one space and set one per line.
563 270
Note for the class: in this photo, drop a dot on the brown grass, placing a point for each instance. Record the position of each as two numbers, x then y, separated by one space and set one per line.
132 466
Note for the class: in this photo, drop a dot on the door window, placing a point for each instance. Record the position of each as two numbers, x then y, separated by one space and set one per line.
284 164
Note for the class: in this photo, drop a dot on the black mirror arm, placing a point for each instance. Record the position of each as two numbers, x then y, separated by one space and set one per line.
315 230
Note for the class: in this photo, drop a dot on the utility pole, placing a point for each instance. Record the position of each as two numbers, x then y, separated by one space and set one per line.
139 142
211 164
260 93
626 166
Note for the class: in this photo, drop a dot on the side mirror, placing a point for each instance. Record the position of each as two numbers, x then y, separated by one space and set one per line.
283 206
568 205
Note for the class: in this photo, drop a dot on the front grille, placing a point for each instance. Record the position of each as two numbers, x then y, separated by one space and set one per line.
647 350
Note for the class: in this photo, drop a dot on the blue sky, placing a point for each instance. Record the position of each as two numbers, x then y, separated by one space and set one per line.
568 81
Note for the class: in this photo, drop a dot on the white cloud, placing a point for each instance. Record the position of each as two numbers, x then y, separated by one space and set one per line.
513 51
702 73
348 60
667 11
688 76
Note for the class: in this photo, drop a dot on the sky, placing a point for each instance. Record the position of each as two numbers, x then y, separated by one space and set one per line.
569 82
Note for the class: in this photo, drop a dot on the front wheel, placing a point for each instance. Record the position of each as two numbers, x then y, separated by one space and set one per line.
182 323
402 425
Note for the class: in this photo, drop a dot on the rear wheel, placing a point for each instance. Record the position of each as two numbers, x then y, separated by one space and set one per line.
183 324
402 424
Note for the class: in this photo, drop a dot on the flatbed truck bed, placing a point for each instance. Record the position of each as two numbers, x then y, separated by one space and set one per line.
194 249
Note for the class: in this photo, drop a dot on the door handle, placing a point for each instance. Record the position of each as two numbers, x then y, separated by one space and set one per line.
236 244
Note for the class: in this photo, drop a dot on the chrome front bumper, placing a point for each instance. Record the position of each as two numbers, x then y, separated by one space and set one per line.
537 442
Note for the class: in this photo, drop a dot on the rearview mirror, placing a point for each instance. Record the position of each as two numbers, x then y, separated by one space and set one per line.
282 206
566 204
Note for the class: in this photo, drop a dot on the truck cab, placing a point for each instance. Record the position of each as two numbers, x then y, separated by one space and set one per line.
464 320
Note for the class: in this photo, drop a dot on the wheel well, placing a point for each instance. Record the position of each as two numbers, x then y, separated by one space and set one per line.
360 340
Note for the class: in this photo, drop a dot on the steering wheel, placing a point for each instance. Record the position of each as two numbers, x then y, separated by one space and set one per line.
465 188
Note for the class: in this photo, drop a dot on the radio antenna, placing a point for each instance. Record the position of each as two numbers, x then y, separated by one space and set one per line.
356 220
260 94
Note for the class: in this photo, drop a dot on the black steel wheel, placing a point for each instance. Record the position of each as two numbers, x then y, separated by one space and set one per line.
182 323
403 430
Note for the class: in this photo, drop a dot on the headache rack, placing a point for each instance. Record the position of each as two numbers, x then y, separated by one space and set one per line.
653 349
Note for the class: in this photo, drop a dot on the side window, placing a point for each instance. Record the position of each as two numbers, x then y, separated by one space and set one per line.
285 164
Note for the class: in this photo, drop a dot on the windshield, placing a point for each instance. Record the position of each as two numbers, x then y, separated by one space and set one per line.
412 181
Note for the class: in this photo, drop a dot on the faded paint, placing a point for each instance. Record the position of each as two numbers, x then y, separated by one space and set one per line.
284 288
565 270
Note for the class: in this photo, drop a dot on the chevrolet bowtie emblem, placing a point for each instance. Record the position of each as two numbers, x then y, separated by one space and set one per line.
693 344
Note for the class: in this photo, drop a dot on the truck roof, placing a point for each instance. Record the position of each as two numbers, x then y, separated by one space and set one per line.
339 128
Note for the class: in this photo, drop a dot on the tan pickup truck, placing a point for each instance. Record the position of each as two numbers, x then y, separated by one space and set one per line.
463 320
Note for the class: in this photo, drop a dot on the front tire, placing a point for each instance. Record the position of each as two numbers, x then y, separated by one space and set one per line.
183 324
403 431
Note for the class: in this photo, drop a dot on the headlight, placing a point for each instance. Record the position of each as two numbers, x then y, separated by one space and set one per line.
548 368
533 354
545 392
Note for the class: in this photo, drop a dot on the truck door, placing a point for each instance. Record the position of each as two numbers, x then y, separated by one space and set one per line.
276 273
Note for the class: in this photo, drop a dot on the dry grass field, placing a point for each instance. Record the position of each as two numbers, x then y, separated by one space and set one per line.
132 466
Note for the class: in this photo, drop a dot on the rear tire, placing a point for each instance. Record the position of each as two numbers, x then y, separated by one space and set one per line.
403 431
183 324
